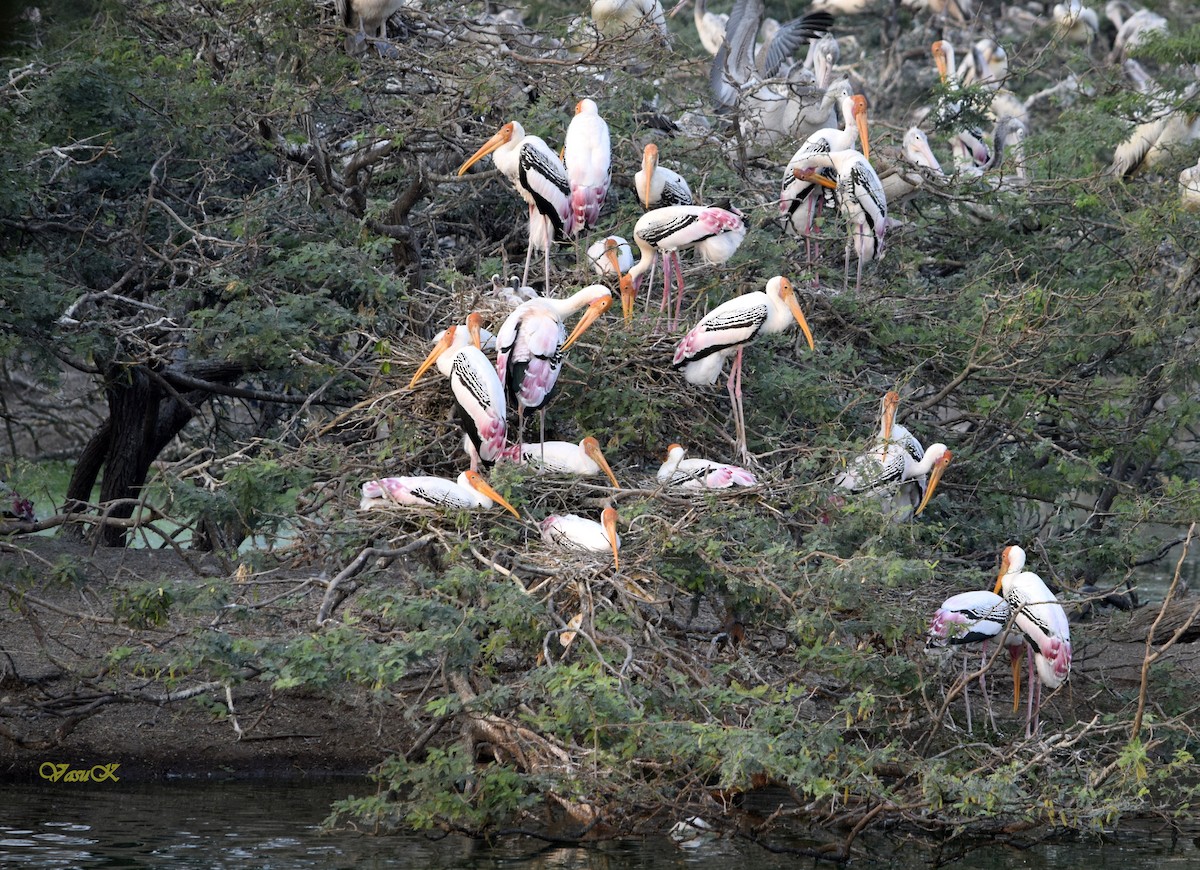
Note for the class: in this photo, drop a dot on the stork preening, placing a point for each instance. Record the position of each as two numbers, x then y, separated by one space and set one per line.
469 492
726 330
716 233
1038 616
478 393
540 178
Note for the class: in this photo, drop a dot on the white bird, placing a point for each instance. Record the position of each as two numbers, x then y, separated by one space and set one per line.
1037 614
587 156
861 201
799 199
573 532
716 233
1189 188
1133 27
639 20
610 255
959 11
658 186
726 330
452 339
968 140
883 473
565 457
367 21
540 178
1075 22
1154 140
532 340
478 394
677 470
974 618
917 164
469 492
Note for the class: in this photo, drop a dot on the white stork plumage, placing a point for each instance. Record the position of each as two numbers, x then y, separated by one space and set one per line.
637 20
573 532
657 185
968 142
469 492
367 21
1075 22
1037 614
565 457
540 177
532 340
716 233
1154 140
727 329
610 255
798 199
976 617
478 394
587 155
884 471
1189 188
1133 26
861 201
680 470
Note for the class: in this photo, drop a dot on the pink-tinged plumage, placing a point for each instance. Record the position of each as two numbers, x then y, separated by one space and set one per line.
678 470
1043 622
716 233
588 158
531 342
726 330
469 492
540 178
799 198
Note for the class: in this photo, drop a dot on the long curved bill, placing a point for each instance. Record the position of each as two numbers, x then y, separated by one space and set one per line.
789 298
813 177
592 448
613 255
608 519
628 298
502 137
474 326
860 119
1003 570
939 57
439 348
890 402
479 484
934 477
594 310
649 164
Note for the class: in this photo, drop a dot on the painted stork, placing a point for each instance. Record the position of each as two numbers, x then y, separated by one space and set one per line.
968 142
973 618
861 201
531 343
1037 614
640 20
540 177
726 330
469 492
478 393
677 470
610 256
1076 23
1133 27
798 199
1189 188
658 186
1154 140
587 155
713 231
564 457
573 532
882 472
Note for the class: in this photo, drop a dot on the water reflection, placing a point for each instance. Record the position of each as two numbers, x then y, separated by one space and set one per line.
260 825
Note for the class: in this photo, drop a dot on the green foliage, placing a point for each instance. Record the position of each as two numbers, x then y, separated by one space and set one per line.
143 606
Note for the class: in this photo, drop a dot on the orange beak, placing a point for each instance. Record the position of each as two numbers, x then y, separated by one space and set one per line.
608 519
890 402
939 57
860 119
592 448
594 310
614 258
628 298
811 175
934 477
474 325
478 483
649 164
502 137
1003 571
438 349
788 294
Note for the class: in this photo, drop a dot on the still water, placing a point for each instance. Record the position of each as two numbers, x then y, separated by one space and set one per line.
260 825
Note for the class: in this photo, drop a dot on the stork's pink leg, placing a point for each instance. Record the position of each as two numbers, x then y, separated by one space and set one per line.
679 301
1034 684
735 398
